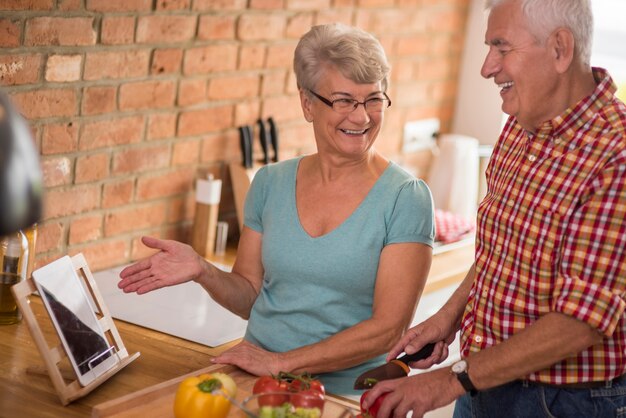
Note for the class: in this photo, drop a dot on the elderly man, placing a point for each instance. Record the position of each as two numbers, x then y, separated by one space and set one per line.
541 312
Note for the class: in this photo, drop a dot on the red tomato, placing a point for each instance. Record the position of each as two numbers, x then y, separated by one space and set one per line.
374 407
308 399
307 383
268 384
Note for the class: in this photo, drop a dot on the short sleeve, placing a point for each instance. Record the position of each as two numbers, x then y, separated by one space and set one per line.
413 215
255 201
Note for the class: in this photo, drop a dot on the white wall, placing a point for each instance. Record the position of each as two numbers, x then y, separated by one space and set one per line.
478 108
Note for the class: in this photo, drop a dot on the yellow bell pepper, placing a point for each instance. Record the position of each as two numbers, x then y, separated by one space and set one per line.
201 396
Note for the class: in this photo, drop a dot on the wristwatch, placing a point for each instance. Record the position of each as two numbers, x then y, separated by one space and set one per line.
459 369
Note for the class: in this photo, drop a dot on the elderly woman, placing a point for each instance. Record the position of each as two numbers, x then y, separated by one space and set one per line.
336 245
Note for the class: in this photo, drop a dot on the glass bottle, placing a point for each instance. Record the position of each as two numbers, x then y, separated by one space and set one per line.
14 257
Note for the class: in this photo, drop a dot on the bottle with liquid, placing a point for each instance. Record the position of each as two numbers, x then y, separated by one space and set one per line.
14 258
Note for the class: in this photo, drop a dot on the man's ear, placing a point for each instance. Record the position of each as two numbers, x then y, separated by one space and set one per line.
563 45
306 103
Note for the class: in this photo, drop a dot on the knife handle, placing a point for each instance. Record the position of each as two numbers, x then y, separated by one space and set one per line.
425 352
273 137
264 141
248 145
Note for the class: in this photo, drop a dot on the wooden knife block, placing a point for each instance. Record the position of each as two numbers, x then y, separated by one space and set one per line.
241 178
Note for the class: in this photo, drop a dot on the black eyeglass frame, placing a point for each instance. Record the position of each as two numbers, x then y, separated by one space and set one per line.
331 103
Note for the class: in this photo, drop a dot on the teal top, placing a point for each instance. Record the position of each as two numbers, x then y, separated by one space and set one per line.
315 287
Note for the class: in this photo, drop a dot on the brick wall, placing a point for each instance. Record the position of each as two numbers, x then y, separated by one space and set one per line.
130 100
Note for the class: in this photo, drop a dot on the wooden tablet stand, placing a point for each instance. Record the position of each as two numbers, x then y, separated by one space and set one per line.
69 392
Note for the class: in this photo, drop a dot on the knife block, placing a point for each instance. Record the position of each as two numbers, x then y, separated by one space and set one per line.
241 178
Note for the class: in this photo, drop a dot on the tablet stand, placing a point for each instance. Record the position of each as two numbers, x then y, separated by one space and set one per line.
52 356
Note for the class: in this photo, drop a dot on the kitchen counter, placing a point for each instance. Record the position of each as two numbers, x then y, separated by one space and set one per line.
25 394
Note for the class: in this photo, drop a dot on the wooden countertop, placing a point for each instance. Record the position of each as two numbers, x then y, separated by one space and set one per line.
163 357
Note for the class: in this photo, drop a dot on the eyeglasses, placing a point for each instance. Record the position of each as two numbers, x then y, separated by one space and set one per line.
346 105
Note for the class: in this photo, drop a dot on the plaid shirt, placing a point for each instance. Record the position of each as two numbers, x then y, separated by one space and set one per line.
552 235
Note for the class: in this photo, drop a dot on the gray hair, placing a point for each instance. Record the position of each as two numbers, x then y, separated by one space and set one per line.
358 55
544 16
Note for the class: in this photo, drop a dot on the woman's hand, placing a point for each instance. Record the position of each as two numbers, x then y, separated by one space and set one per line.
175 263
252 359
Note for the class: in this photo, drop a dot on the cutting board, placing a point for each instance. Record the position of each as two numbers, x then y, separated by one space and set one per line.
158 401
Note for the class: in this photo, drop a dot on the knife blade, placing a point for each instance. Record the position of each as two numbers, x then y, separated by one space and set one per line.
393 369
273 137
245 143
264 141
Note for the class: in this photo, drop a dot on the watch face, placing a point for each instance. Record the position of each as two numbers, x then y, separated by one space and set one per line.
459 366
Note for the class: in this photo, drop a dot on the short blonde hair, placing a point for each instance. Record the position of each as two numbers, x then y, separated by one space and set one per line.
358 55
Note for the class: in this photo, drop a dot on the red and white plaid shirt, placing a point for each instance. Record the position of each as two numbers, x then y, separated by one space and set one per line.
551 235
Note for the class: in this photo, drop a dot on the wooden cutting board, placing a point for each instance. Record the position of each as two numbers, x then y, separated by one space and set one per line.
158 401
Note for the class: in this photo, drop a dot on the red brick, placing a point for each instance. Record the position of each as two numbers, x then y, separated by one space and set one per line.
103 254
139 159
375 3
118 193
418 44
299 24
179 209
273 83
70 201
55 31
266 4
166 61
236 87
203 60
98 100
340 15
192 91
26 4
119 5
63 68
85 229
46 103
254 27
168 184
251 57
307 4
161 125
56 171
173 4
280 54
92 167
59 138
67 5
186 152
117 30
128 220
166 28
49 236
111 132
10 31
205 5
196 122
116 64
20 69
247 112
221 147
214 27
147 94
283 108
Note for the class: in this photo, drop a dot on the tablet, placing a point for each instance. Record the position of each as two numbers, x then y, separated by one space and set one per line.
74 318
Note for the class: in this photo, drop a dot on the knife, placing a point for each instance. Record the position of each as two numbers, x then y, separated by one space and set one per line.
273 139
245 142
393 369
264 141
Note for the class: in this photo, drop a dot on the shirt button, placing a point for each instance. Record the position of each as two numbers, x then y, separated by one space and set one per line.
498 249
510 202
485 292
557 141
531 158
478 339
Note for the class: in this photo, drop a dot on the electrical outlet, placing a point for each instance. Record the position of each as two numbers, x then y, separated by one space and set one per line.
420 134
